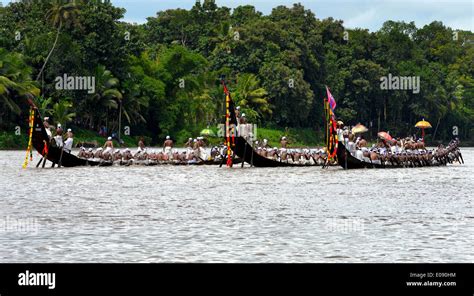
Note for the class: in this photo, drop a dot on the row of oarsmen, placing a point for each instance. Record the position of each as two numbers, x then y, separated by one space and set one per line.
302 156
411 157
142 154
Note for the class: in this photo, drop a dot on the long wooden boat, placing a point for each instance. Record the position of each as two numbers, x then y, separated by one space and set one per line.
41 143
244 150
348 161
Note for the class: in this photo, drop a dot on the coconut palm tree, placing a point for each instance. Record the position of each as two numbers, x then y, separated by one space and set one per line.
15 81
132 103
44 105
107 96
251 97
61 112
62 13
198 97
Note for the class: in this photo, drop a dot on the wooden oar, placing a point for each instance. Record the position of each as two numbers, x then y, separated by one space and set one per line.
44 160
222 161
251 157
61 157
345 160
245 154
224 158
38 164
460 155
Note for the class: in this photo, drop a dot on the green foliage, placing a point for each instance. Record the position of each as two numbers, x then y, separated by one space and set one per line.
44 105
61 112
162 77
298 138
252 98
12 141
15 86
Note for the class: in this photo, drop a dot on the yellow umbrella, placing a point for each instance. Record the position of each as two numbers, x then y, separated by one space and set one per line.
423 124
359 128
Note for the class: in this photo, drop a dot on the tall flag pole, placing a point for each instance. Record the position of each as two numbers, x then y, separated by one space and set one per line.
29 152
326 122
229 129
332 140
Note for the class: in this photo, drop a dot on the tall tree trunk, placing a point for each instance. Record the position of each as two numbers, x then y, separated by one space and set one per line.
51 51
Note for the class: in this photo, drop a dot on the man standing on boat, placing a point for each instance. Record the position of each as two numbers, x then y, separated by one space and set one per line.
283 150
237 112
141 146
59 136
168 145
243 119
109 148
47 127
340 132
69 141
202 152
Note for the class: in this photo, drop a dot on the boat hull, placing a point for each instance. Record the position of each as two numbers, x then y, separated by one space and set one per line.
244 150
40 140
347 161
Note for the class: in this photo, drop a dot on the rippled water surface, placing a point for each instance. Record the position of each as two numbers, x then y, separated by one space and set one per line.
212 214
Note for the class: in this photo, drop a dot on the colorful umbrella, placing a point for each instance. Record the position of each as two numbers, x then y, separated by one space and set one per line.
207 132
423 124
385 136
359 128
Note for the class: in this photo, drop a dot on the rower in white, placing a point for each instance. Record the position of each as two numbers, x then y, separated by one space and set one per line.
109 148
167 146
47 127
69 141
59 136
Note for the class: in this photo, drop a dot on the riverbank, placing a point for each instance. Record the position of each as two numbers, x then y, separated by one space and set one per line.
11 141
296 137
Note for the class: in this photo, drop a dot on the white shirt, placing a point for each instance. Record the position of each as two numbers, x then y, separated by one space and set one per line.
59 141
351 146
48 132
68 144
340 135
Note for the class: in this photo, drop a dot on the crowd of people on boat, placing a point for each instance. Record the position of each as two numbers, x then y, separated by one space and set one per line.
402 152
405 152
303 156
194 152
59 138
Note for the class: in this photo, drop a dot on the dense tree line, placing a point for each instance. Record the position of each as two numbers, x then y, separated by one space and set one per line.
163 75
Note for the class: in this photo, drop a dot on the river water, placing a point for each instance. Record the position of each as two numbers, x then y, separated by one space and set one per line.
212 214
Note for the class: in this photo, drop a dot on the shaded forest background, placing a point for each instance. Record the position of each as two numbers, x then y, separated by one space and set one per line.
163 74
